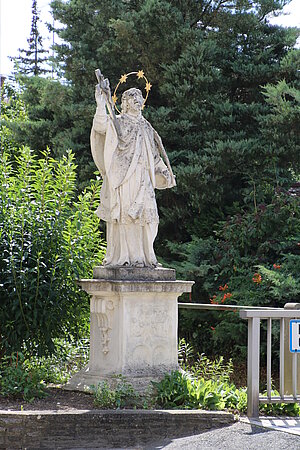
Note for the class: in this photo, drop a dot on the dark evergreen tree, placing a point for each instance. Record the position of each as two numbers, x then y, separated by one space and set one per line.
207 63
32 61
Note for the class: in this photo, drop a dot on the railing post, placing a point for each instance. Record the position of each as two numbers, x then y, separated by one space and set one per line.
253 367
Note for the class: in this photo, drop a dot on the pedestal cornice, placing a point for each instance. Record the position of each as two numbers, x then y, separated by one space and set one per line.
94 286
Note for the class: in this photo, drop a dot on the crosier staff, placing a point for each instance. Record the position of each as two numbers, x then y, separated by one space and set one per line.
164 156
105 88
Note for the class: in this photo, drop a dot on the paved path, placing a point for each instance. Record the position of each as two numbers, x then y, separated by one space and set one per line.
289 425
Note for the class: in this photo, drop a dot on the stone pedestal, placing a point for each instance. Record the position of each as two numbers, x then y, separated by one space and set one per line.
134 319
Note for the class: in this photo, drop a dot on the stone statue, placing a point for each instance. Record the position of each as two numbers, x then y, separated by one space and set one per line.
127 151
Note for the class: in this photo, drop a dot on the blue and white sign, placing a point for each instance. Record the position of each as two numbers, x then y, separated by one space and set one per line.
295 336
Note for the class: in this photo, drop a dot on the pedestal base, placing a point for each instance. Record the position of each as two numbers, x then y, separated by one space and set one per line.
133 326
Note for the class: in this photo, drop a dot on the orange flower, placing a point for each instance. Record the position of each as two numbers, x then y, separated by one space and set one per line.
223 288
212 300
256 278
276 266
225 296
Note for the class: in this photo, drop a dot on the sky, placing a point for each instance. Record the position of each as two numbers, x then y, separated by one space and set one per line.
15 24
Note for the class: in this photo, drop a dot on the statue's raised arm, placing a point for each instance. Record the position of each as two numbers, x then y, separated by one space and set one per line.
104 87
132 160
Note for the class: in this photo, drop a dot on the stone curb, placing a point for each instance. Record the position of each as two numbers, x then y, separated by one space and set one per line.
103 428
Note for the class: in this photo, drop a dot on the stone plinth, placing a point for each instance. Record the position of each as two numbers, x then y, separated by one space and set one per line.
133 324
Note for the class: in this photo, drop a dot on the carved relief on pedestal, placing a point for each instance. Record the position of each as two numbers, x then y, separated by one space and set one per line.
103 308
150 322
151 329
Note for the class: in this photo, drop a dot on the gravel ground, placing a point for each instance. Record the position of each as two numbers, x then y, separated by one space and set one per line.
239 436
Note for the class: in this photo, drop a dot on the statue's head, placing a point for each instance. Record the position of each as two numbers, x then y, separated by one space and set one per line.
132 101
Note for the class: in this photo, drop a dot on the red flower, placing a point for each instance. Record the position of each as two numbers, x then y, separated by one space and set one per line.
213 328
225 296
212 300
223 288
256 278
276 266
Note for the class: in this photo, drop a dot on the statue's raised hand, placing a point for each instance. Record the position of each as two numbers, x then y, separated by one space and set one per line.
100 98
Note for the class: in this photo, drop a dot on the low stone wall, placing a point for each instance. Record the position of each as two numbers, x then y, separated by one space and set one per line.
102 429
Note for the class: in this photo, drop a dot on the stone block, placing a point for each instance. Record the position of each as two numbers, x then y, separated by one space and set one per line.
133 325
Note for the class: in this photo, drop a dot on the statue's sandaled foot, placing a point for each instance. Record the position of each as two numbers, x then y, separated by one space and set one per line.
138 264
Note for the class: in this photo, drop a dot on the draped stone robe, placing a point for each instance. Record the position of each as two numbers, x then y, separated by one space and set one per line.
131 169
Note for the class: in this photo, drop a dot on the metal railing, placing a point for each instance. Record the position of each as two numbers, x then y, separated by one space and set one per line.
254 318
254 315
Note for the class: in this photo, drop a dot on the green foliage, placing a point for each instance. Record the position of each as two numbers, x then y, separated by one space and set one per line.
182 390
13 113
47 240
121 396
18 381
252 260
201 366
214 370
69 357
280 409
205 384
201 383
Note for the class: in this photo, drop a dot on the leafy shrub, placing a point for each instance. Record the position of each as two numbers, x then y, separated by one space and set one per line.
122 395
68 358
252 260
281 409
18 381
182 390
201 366
216 370
47 240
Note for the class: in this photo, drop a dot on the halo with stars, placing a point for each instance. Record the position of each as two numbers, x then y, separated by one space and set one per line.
140 75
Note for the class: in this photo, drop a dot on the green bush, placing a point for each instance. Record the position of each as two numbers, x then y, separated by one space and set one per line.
252 260
201 366
68 358
47 240
17 380
205 383
120 396
182 390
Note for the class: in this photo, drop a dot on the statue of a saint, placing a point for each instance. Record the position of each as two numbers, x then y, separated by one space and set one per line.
126 150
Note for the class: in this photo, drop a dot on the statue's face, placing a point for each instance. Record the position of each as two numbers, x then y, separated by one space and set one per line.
135 102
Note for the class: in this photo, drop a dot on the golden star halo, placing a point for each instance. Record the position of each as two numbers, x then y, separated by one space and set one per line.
123 78
140 75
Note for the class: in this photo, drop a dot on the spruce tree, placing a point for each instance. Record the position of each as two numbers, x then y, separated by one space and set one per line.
31 61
